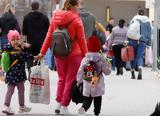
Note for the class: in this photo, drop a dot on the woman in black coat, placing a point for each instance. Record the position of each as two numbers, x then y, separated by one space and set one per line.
7 22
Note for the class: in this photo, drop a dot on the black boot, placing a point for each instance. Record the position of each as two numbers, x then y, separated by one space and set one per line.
139 74
118 71
121 71
133 75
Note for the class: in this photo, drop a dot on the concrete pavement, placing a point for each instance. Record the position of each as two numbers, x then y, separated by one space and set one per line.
123 97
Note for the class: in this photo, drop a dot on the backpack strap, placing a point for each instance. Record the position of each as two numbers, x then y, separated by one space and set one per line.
66 25
14 52
15 61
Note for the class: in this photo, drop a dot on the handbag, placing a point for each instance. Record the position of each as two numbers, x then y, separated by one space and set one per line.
127 53
77 91
39 84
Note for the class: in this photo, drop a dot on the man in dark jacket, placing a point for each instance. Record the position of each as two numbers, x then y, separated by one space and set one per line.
35 27
88 20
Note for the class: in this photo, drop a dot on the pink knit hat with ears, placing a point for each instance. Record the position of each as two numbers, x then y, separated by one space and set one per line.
13 34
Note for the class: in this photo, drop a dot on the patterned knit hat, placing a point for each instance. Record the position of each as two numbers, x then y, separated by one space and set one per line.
94 44
13 34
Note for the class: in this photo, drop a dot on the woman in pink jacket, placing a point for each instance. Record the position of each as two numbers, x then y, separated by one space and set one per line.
67 67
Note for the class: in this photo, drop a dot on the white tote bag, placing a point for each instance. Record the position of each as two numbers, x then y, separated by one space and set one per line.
148 56
39 84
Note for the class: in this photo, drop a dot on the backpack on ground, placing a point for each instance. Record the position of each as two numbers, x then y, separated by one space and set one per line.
61 43
134 30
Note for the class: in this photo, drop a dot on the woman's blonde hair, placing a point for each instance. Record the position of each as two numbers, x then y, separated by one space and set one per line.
70 3
9 8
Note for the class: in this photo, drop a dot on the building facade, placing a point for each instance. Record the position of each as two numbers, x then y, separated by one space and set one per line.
102 9
118 9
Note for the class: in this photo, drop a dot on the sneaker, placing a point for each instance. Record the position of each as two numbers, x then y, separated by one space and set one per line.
57 109
64 110
81 111
23 109
7 110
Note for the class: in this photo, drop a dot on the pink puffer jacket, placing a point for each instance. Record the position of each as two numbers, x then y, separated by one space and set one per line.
75 30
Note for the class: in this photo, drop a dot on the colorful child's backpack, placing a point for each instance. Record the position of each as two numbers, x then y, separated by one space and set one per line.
90 71
6 62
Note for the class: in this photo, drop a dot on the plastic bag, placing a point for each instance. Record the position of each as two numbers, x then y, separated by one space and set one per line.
39 84
148 56
49 57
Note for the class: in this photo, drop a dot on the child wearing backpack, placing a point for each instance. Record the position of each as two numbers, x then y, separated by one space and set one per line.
90 74
16 75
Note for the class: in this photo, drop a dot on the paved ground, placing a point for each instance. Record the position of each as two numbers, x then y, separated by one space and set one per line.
123 97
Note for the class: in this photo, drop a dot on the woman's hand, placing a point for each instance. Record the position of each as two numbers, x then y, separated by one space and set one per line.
38 57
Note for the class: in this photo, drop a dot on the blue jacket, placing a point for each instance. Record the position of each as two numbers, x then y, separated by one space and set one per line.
145 28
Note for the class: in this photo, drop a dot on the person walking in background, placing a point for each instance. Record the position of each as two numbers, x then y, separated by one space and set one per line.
35 27
88 19
116 42
93 80
8 22
110 25
99 32
67 66
139 44
16 75
109 28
